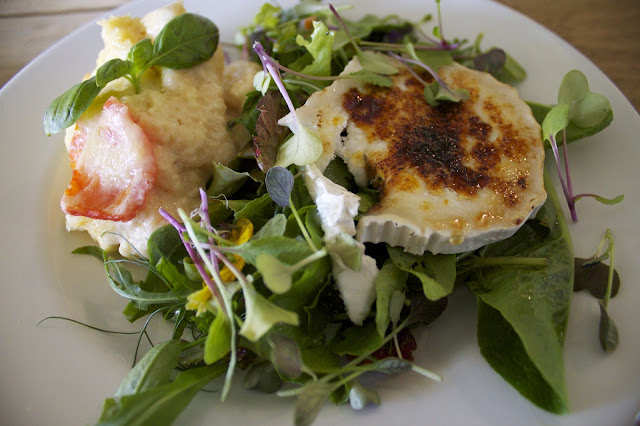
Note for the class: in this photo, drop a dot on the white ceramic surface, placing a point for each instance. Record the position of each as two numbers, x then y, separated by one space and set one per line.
59 373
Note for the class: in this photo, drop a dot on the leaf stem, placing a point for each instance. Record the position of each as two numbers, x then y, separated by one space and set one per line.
303 229
536 262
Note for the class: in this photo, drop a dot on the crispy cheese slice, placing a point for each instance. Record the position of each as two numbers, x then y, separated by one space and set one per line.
451 178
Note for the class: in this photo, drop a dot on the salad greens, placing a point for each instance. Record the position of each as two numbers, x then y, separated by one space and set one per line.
250 279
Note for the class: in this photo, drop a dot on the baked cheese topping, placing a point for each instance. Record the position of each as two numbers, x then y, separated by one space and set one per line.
173 131
451 178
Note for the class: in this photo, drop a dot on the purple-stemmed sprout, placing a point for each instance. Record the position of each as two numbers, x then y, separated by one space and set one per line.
441 44
450 94
205 221
565 180
271 67
194 257
556 120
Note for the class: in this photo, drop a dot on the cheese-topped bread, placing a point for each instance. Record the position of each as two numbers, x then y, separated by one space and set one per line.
451 178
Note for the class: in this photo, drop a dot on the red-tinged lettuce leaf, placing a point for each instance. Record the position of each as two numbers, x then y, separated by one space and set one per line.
523 311
269 134
594 278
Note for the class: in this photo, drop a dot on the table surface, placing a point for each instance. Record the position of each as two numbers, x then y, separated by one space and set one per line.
606 31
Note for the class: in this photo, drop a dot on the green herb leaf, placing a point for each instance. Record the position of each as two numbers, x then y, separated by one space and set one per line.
434 59
603 200
276 275
608 332
358 340
152 370
112 70
187 40
435 92
310 401
573 132
522 337
226 181
392 365
511 73
377 62
279 183
320 48
165 242
268 16
218 342
160 404
181 286
68 107
94 251
587 109
285 355
347 249
371 78
262 314
390 280
140 55
302 148
555 121
436 272
594 277
274 228
263 377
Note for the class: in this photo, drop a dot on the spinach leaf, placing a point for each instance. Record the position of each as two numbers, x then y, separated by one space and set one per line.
523 311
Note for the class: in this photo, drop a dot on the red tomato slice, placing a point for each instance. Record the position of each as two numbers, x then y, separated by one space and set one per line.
113 166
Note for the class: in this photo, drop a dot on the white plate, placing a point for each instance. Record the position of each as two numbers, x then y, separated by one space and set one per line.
59 373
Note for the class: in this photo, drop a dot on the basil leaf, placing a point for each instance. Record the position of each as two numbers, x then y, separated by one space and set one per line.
68 107
112 70
187 40
140 54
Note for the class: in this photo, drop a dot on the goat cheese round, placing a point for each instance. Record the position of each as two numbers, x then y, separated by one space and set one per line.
452 177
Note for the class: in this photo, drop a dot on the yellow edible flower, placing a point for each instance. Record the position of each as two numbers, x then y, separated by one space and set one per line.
240 234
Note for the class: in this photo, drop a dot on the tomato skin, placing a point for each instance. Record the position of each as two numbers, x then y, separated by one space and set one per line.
114 166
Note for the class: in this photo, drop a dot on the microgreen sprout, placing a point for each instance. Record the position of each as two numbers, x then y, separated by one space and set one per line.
436 91
608 332
304 147
557 120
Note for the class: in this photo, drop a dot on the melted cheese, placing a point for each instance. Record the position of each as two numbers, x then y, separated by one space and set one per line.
182 114
451 178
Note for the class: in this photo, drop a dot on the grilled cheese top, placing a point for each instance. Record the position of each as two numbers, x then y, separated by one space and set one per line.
451 178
